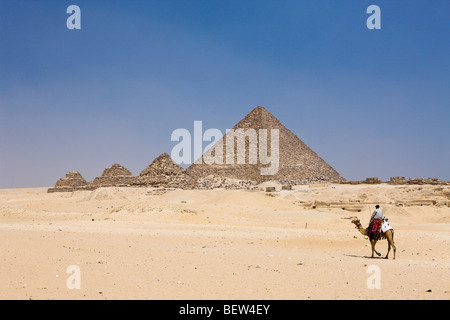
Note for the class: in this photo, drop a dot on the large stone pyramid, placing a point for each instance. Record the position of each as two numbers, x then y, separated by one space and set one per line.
296 161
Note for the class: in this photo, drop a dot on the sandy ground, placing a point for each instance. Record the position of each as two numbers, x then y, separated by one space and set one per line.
139 243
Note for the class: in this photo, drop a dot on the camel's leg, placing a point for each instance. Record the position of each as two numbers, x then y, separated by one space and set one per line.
389 249
372 243
390 240
393 247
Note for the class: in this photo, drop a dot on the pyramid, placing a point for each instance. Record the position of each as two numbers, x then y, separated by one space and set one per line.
115 176
296 161
72 182
164 172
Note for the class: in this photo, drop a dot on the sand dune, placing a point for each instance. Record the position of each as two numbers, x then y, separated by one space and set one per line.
144 243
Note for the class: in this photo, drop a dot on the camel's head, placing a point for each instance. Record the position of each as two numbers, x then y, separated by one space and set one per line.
356 222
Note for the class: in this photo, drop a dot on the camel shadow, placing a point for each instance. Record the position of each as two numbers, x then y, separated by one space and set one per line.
367 257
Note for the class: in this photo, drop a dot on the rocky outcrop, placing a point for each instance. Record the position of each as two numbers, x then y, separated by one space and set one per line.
374 180
421 181
215 182
397 180
418 181
400 181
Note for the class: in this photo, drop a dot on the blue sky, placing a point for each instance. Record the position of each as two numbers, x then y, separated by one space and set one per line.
372 103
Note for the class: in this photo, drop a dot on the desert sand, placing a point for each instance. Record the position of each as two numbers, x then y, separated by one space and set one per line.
144 243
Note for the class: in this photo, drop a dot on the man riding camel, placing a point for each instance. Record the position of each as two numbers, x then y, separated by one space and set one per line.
375 222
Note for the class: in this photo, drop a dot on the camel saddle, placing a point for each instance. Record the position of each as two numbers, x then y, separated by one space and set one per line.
378 228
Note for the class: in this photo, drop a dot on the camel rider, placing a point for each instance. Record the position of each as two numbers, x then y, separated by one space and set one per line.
375 221
377 214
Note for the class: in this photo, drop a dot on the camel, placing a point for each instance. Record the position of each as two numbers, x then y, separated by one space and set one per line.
389 235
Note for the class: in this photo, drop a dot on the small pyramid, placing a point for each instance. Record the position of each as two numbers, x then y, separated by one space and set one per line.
116 170
72 179
162 165
164 172
115 176
296 161
72 182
